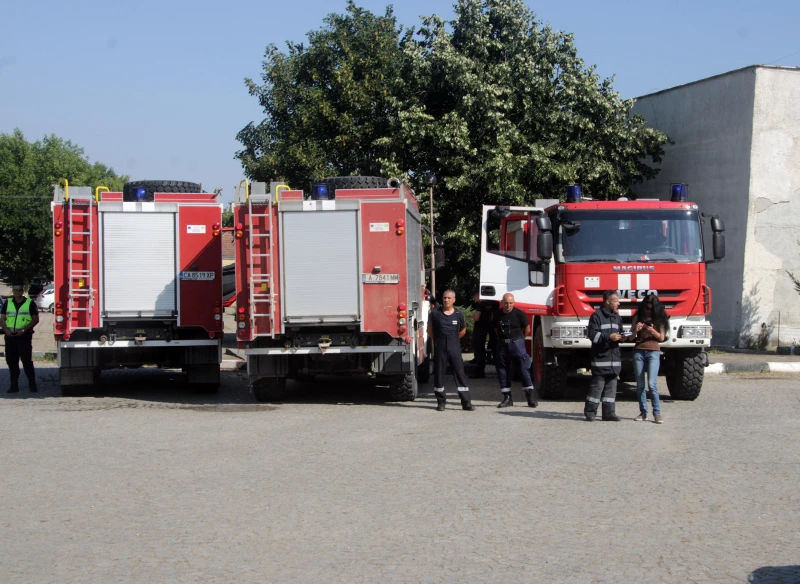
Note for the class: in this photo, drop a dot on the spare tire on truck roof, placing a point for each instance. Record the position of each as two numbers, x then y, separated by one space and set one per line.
132 191
351 182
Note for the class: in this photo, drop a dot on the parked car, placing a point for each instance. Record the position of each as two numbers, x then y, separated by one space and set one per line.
38 283
46 299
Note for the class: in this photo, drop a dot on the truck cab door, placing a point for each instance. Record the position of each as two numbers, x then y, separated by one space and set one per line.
510 262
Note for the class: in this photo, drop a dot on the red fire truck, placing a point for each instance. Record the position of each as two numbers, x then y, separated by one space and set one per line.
557 258
137 280
333 283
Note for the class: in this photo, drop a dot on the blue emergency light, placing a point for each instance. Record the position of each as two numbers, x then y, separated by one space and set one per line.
320 192
573 193
679 192
140 194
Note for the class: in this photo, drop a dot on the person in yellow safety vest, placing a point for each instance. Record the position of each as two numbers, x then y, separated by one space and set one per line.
18 316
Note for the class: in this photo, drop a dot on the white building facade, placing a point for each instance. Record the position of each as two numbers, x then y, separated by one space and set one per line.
737 144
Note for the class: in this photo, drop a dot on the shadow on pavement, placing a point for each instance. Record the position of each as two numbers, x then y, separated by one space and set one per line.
775 575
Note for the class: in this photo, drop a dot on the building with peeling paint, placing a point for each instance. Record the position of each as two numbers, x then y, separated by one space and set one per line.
737 144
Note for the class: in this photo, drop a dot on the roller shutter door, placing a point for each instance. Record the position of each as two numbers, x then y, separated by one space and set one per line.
139 264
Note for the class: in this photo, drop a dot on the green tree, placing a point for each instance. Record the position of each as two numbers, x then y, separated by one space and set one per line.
498 106
27 171
328 104
504 111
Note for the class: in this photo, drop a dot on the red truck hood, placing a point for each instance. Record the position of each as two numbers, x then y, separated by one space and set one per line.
678 286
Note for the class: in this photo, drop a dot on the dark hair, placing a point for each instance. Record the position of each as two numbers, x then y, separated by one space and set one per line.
658 315
608 294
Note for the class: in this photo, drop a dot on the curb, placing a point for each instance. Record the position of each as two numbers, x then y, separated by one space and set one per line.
753 367
232 364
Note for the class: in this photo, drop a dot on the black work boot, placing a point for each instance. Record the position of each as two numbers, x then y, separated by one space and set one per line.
32 386
612 418
14 387
466 404
479 374
507 402
441 400
533 397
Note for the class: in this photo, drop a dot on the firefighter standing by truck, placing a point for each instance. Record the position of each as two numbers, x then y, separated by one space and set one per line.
18 316
605 332
447 326
512 327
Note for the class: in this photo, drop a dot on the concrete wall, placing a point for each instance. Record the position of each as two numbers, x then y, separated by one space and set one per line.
772 247
710 122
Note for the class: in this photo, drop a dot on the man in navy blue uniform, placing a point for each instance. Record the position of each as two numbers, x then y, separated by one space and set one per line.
446 327
512 326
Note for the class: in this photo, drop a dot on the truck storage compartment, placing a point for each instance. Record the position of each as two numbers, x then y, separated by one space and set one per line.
139 265
321 267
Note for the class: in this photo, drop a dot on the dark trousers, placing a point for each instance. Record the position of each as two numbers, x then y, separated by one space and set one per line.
20 348
447 350
479 335
602 389
507 354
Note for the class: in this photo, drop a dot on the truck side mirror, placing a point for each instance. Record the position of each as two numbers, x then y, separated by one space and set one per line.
717 225
544 245
718 243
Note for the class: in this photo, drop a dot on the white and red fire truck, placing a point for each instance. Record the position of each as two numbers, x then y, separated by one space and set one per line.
332 283
557 258
137 280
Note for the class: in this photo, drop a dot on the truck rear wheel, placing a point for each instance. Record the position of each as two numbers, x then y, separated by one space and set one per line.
402 387
549 379
685 371
267 389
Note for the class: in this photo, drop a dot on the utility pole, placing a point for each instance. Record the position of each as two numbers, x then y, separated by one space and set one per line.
431 182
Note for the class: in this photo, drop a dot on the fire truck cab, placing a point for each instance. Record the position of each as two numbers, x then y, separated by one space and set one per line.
331 283
557 258
137 280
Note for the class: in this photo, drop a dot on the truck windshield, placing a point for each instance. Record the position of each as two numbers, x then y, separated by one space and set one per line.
639 235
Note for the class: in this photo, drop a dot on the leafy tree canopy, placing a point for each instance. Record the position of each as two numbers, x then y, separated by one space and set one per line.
27 171
496 104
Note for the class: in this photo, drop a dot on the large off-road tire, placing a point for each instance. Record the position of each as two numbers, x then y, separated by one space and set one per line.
159 186
402 387
268 389
352 182
685 371
549 379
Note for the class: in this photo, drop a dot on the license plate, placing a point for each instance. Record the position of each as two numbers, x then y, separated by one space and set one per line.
198 275
380 278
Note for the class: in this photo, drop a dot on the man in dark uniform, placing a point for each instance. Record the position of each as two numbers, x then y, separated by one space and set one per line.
512 326
482 316
605 332
446 327
18 316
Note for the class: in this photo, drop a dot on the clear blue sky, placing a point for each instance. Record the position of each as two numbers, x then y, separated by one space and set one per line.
155 88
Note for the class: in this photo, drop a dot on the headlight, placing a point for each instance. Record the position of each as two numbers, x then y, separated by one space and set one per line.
568 332
695 332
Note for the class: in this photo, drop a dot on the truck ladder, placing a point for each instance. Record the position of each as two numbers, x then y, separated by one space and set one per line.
261 304
80 205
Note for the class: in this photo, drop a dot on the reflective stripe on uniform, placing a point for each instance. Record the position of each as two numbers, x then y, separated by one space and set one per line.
462 389
438 389
505 389
609 400
594 400
605 363
597 337
608 326
529 388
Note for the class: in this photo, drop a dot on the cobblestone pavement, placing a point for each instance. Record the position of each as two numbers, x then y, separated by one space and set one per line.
146 482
